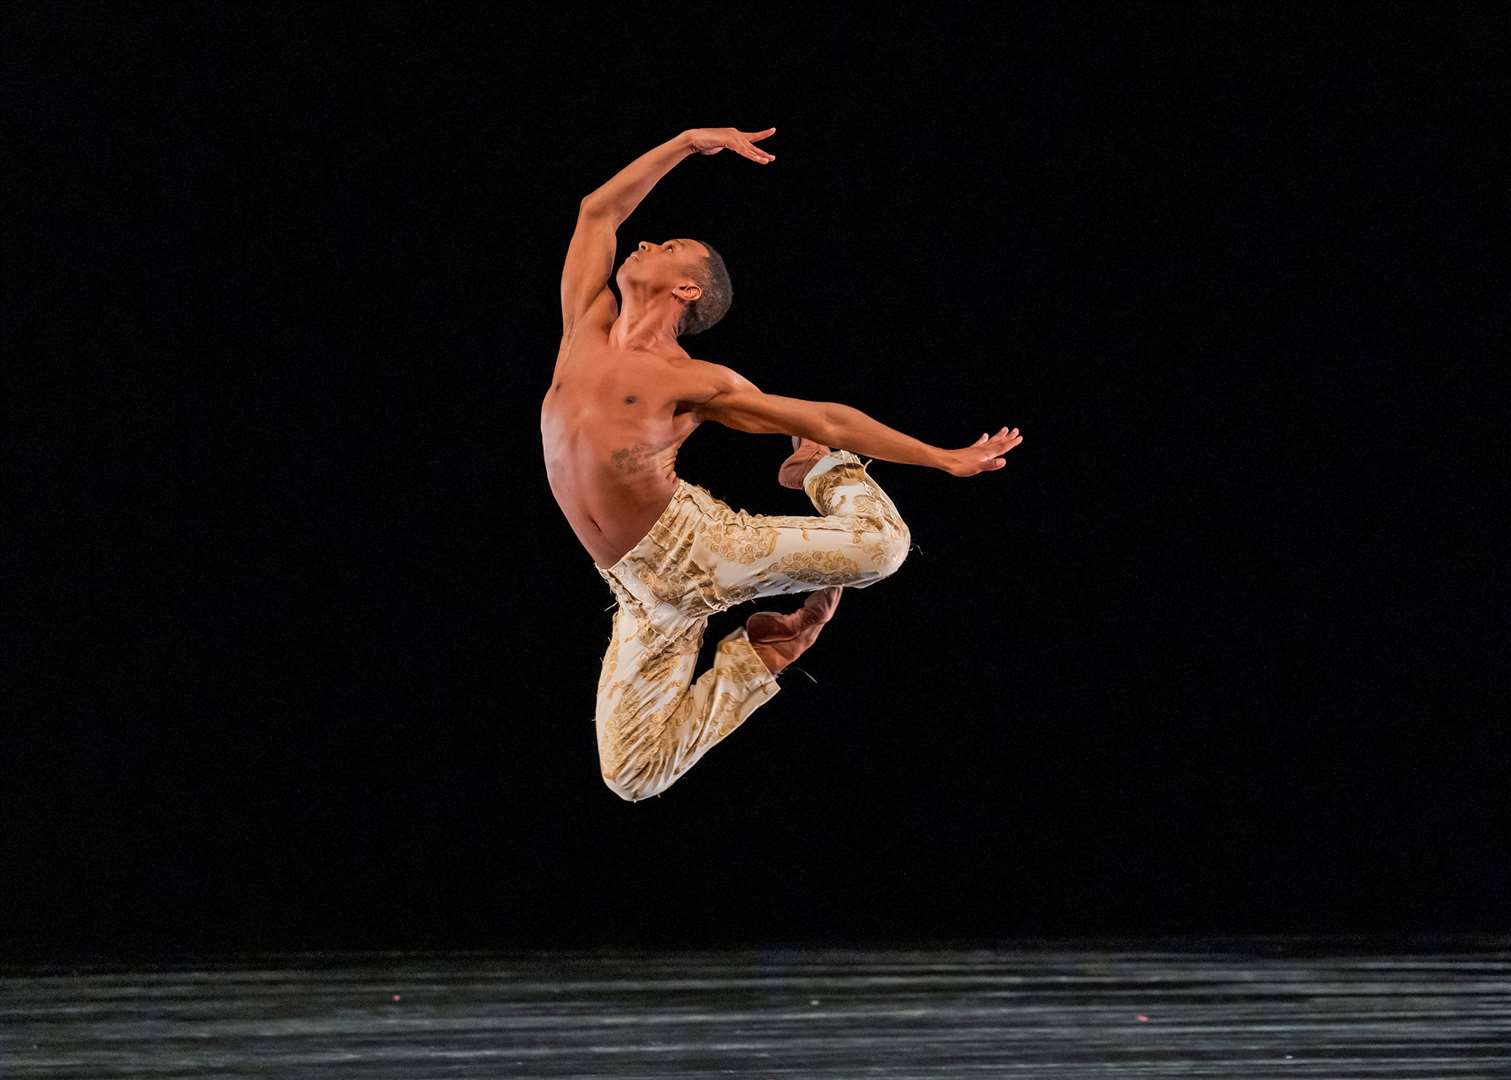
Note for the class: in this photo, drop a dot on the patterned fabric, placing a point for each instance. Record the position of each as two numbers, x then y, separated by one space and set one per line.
654 722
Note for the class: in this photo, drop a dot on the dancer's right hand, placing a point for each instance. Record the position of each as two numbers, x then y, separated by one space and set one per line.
983 455
712 140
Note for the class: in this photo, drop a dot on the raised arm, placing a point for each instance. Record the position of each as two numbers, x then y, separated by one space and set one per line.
590 255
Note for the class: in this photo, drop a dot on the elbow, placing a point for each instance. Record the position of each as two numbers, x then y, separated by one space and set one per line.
591 203
831 425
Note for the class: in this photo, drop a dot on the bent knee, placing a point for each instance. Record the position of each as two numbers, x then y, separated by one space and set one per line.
895 544
880 556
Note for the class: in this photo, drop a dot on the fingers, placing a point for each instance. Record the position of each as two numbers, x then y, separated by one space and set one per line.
754 153
742 142
1005 440
991 449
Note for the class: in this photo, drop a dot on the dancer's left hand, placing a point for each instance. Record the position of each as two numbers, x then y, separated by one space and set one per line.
712 140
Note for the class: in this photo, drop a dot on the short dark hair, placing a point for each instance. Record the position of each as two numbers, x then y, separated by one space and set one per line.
713 276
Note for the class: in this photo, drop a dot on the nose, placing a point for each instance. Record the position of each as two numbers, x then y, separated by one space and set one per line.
644 246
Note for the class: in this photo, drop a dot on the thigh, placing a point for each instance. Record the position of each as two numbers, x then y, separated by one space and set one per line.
749 555
646 669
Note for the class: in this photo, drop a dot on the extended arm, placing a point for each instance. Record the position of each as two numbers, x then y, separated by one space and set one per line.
728 398
735 402
850 429
853 430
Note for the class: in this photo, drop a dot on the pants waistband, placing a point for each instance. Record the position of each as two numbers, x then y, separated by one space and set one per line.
680 494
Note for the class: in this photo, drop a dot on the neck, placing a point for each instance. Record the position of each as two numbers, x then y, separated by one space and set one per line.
646 326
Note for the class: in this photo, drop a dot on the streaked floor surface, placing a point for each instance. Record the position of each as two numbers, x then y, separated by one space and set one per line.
1256 1007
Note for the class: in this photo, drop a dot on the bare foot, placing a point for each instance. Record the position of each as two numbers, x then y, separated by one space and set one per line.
780 638
804 453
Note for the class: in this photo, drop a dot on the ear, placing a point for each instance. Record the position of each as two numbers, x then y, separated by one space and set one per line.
689 291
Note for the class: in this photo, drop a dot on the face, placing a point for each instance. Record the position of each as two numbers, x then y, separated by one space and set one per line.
662 267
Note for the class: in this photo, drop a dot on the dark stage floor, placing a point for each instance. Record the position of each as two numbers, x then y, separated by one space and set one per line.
1257 1007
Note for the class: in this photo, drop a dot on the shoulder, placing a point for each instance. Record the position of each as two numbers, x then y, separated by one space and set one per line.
705 388
708 379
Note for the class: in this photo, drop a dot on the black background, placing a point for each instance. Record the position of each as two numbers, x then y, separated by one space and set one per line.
307 653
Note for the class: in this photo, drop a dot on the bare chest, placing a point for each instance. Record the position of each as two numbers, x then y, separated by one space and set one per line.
611 427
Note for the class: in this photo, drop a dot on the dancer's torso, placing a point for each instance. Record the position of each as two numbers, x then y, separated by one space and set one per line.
611 425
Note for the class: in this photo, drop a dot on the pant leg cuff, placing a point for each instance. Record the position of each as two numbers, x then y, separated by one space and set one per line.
827 462
745 665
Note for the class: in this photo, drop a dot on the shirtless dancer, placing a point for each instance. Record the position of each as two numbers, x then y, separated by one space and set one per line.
624 397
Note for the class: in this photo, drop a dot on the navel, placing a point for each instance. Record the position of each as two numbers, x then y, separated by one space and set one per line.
630 400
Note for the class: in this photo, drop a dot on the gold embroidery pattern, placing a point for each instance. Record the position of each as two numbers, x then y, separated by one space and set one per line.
664 588
740 541
818 568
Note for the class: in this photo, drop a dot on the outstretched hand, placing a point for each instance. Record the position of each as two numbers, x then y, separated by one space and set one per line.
983 455
712 140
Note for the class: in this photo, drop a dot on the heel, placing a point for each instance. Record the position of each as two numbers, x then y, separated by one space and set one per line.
769 640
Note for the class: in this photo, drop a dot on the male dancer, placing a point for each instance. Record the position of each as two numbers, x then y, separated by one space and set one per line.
623 399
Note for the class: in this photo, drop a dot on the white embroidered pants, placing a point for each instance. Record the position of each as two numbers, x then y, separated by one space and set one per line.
653 720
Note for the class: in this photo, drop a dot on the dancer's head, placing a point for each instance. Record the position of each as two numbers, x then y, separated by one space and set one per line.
687 274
